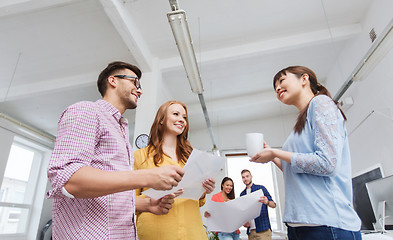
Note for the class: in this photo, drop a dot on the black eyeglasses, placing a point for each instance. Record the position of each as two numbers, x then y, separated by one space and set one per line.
134 79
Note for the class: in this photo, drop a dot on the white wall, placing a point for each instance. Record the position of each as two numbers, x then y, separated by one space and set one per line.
377 17
370 122
46 215
370 136
228 137
6 140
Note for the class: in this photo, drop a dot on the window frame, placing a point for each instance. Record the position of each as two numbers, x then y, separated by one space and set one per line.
37 182
277 197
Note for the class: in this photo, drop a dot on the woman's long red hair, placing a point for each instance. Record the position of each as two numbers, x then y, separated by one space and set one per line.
183 147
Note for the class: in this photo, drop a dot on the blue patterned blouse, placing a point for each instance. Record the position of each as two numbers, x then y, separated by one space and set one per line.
318 186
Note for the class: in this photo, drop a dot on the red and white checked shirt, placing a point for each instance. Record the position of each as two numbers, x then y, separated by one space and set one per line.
91 134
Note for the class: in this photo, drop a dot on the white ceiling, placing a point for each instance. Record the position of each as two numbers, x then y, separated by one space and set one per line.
52 51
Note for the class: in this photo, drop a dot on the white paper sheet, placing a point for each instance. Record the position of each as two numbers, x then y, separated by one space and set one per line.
229 216
199 167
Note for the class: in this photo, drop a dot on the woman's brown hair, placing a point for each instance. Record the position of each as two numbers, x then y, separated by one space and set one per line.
316 88
183 148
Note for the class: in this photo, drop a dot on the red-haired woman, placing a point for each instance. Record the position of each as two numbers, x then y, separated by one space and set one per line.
168 145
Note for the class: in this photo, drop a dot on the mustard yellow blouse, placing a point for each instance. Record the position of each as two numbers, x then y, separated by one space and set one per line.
184 220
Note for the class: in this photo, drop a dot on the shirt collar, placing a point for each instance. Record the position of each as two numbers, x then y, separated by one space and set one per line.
112 110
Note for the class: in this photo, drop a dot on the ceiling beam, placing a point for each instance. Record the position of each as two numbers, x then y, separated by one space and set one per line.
13 7
258 112
236 102
271 45
256 101
128 30
47 86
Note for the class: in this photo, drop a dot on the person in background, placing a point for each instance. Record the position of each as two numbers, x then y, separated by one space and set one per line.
227 193
91 167
258 228
168 145
315 160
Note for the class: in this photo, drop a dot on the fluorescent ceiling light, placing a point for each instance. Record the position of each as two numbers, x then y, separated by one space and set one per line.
177 20
378 50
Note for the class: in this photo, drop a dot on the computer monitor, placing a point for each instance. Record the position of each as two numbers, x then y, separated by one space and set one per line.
361 201
380 192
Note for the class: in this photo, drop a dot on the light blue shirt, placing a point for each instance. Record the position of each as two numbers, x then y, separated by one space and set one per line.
318 183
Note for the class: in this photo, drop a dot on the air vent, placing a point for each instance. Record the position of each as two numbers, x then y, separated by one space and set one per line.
372 35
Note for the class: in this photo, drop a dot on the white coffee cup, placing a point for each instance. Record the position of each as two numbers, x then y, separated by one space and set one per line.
254 143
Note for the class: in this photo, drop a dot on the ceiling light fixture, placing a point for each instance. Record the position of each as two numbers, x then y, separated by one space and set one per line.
375 54
377 51
178 21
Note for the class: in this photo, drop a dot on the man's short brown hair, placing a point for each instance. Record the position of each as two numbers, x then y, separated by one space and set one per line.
112 68
245 170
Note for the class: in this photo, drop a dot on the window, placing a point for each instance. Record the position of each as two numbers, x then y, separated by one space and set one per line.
24 156
14 216
262 174
18 187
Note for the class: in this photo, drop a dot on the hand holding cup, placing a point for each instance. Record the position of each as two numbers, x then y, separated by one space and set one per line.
254 143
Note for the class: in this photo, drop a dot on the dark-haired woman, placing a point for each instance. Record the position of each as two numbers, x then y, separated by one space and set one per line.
227 193
168 145
315 161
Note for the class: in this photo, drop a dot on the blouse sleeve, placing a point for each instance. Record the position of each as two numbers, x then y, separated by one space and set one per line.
202 201
139 157
326 123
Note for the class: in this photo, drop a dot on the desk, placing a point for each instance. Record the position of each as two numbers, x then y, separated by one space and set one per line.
377 236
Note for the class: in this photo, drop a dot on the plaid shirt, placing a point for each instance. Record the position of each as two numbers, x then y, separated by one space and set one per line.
91 134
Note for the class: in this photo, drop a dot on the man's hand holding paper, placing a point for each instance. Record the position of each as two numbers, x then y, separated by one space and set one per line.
199 167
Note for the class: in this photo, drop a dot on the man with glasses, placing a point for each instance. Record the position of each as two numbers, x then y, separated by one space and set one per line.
134 79
91 167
